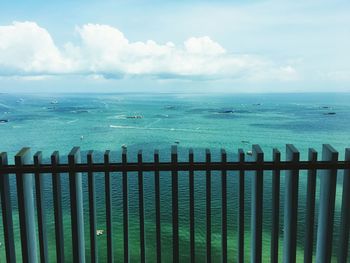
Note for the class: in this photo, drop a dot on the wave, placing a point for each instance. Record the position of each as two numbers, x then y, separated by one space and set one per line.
156 121
154 128
72 121
5 106
118 117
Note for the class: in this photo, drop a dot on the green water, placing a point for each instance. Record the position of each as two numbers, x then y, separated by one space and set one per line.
193 120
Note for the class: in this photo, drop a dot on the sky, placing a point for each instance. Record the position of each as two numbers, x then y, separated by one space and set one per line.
174 46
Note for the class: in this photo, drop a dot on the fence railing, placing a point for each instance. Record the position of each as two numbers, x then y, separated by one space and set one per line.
25 167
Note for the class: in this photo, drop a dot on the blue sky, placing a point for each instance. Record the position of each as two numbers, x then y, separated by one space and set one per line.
226 46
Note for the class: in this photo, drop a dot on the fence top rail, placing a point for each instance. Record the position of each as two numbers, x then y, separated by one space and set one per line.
169 166
75 165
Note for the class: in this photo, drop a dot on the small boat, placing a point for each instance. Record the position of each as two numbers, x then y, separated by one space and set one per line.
177 142
4 120
226 111
124 146
170 107
54 102
329 113
134 117
250 153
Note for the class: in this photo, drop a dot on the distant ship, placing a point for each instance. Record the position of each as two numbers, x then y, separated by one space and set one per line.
134 117
226 111
54 102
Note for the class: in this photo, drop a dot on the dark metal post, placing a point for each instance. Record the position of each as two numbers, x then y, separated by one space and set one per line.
208 205
310 209
92 208
326 210
241 179
141 210
39 183
108 197
257 204
191 189
76 199
175 208
157 202
291 206
345 214
26 208
224 208
275 207
57 202
125 208
7 213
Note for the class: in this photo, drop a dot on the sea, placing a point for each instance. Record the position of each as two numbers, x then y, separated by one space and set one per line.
149 121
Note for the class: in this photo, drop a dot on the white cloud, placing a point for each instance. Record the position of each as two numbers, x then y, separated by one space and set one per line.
203 45
28 49
283 73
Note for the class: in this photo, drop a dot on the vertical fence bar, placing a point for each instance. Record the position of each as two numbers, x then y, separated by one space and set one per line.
224 208
157 202
275 207
76 200
241 208
7 213
141 209
92 208
26 208
191 189
257 204
41 211
345 214
125 208
310 209
57 202
326 210
208 205
108 197
291 206
175 208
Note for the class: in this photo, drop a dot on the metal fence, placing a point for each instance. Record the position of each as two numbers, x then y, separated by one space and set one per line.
24 169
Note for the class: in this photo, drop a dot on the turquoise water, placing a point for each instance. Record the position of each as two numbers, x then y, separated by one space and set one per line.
100 122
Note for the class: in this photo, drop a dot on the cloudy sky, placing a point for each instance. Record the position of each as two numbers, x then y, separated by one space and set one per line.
196 46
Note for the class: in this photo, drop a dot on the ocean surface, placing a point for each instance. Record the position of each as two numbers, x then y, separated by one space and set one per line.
49 122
